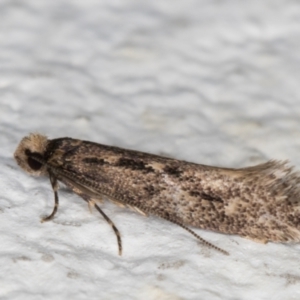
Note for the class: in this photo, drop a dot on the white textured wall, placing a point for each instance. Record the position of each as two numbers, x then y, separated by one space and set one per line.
214 82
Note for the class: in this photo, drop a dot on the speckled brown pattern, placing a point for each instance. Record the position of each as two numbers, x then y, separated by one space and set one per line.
260 202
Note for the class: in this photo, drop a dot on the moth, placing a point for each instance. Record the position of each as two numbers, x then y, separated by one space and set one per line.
260 202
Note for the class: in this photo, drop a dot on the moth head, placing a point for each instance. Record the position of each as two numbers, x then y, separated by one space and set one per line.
30 154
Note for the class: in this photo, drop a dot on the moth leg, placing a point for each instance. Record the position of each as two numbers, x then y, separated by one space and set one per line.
139 211
54 184
110 222
84 192
91 204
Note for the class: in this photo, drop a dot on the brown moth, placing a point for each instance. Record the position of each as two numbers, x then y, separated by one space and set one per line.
260 202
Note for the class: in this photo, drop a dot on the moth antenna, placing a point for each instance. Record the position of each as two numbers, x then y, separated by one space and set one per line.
54 185
110 222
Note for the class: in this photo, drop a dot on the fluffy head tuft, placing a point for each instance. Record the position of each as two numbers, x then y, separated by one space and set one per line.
33 143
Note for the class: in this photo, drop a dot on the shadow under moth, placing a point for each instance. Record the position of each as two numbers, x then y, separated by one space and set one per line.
260 202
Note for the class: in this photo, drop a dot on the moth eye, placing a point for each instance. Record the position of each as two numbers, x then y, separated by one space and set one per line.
33 164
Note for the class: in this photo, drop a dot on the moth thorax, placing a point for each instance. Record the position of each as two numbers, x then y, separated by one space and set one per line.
30 154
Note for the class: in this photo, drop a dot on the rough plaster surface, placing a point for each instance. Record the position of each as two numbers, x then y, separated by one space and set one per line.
214 82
